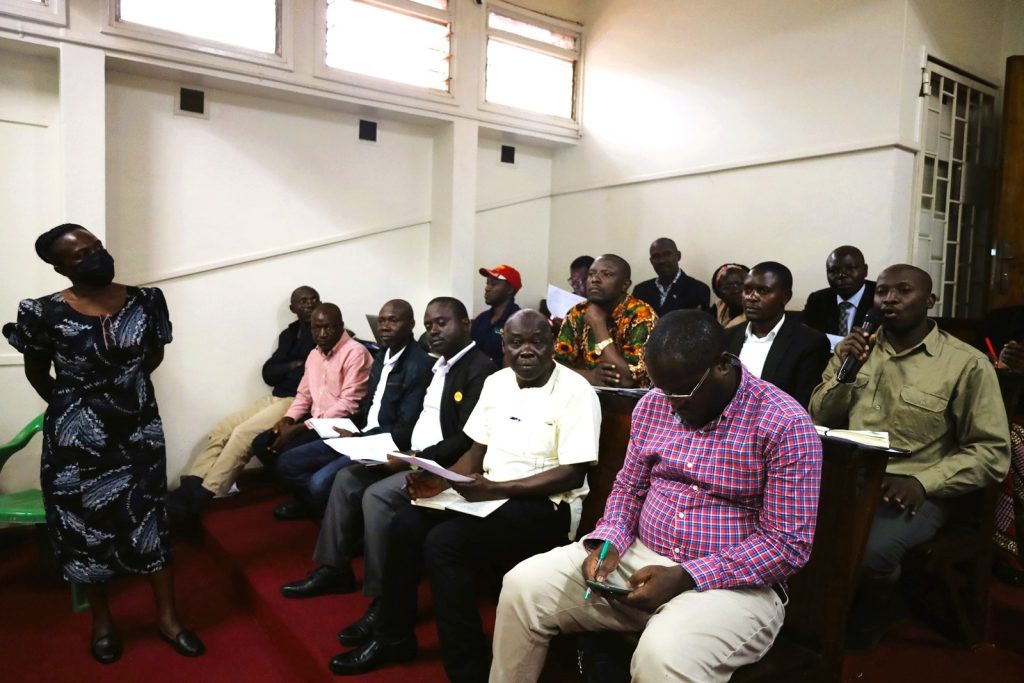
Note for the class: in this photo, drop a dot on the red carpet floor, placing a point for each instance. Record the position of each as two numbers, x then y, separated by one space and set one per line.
228 591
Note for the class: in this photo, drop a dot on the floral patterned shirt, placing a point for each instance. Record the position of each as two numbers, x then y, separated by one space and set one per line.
632 322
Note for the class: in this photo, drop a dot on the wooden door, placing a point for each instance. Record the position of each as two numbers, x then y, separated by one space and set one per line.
1007 283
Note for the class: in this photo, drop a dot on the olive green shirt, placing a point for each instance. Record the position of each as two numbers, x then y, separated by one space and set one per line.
940 400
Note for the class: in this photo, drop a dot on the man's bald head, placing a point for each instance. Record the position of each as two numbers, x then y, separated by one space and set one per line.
302 302
401 308
904 293
327 326
909 272
394 324
529 347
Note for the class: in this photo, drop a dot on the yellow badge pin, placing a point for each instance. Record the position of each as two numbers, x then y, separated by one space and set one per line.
458 397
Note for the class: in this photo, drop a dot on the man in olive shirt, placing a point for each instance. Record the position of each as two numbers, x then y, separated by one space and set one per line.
936 397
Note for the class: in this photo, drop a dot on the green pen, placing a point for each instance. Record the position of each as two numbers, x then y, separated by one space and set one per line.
600 561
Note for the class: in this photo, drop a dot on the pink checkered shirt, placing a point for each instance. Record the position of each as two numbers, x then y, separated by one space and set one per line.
733 502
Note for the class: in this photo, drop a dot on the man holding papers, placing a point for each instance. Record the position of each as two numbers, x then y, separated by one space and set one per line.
534 432
937 398
392 402
367 496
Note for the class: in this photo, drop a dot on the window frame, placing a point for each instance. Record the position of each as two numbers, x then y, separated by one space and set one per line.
282 59
383 85
544 21
53 12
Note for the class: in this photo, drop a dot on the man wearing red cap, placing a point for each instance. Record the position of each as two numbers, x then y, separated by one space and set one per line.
499 293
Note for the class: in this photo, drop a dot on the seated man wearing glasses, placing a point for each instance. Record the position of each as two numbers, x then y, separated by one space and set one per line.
713 510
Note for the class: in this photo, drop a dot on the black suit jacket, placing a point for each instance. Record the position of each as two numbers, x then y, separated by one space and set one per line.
685 293
822 312
796 360
402 400
462 387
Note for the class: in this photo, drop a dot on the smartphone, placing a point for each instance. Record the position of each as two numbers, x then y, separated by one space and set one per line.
609 588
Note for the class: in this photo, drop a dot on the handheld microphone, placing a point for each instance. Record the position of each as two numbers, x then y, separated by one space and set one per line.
851 364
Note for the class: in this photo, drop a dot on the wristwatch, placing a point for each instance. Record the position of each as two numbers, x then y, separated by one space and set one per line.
600 346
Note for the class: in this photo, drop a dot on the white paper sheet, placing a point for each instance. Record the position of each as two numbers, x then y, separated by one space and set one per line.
324 426
451 500
373 448
833 339
432 467
560 301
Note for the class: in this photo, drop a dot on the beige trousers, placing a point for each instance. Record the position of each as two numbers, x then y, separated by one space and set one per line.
696 636
229 442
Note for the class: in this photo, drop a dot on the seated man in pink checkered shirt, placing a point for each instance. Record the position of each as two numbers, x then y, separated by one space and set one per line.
713 509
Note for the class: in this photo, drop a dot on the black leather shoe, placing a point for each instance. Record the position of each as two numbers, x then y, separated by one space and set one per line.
373 654
106 649
358 633
321 581
186 643
292 510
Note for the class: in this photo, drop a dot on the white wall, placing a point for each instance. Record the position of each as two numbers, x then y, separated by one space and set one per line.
751 130
513 217
30 198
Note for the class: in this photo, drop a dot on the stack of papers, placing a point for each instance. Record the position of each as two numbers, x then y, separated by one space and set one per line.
367 449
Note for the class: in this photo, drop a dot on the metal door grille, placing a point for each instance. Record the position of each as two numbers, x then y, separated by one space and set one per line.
956 178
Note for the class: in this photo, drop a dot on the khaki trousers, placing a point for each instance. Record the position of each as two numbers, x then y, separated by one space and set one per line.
696 636
229 442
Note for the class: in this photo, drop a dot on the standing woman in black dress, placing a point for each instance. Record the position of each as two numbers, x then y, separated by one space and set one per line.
103 471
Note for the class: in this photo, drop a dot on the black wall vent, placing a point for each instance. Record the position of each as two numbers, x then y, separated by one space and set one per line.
508 154
368 130
193 101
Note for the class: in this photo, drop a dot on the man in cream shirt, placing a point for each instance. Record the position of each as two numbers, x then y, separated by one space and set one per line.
534 431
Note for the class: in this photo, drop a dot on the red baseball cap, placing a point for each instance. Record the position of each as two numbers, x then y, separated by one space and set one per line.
506 273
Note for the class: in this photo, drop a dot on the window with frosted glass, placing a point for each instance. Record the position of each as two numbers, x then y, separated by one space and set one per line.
406 43
249 24
531 66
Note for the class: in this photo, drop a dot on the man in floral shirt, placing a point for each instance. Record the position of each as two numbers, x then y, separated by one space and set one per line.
603 338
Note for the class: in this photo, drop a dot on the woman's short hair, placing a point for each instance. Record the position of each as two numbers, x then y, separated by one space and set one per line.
44 243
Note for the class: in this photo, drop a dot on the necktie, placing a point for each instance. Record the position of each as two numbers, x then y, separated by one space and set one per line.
846 317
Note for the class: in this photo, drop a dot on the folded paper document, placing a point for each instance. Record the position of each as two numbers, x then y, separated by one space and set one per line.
324 426
451 500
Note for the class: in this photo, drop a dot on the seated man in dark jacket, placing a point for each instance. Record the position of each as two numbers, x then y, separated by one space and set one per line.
228 444
774 346
364 498
392 402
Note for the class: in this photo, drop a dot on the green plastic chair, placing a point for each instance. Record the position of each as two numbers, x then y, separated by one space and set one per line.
26 507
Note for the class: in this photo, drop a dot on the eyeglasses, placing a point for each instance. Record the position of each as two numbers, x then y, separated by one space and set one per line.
692 391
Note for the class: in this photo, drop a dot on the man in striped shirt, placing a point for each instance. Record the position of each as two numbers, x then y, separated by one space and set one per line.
713 509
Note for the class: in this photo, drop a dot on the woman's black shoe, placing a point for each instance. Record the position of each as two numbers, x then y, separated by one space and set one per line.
106 649
186 643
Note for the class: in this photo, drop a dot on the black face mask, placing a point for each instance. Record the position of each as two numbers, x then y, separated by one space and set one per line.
95 270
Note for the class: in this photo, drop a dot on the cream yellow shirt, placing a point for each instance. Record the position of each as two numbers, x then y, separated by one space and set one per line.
940 400
529 431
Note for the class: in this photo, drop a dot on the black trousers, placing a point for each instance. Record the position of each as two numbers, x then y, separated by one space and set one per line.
458 552
263 440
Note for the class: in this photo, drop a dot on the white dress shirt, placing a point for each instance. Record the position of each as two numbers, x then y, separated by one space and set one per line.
853 301
372 421
755 349
427 431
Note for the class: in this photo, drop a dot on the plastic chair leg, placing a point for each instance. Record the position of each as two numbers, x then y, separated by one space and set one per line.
79 603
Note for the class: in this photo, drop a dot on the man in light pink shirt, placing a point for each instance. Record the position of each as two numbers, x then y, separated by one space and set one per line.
336 375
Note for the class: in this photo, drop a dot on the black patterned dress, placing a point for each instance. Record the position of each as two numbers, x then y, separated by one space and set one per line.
103 471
